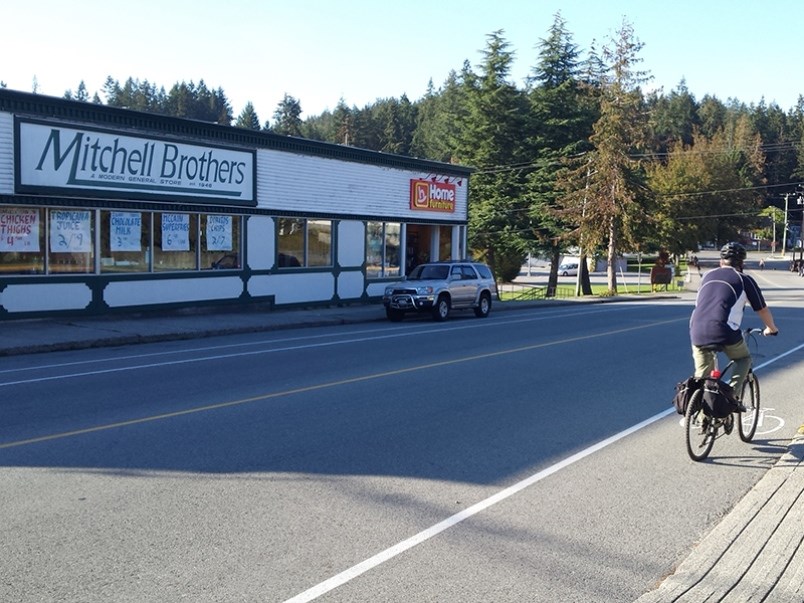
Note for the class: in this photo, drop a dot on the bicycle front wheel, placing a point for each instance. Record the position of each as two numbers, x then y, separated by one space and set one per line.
747 421
699 427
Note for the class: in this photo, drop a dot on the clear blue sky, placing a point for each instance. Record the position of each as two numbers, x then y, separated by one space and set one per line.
320 51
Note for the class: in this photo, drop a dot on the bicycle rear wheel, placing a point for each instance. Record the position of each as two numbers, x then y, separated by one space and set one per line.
747 421
700 430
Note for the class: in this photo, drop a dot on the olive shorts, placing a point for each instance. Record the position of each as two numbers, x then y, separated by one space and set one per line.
704 360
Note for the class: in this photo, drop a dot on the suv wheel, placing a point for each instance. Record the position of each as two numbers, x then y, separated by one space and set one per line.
441 308
484 307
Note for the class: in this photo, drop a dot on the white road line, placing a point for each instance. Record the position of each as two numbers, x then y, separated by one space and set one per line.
401 331
371 337
391 552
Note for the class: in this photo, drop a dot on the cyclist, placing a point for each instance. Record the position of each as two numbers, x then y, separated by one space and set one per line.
715 321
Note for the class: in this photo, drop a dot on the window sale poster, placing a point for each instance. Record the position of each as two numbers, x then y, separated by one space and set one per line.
175 232
19 230
70 231
125 231
219 233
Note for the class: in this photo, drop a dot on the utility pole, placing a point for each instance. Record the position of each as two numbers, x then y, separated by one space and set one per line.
784 234
800 202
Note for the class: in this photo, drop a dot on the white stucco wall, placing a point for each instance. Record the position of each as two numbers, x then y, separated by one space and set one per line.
293 182
134 293
294 288
43 297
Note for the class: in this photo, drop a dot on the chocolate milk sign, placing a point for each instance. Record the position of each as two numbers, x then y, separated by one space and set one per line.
74 160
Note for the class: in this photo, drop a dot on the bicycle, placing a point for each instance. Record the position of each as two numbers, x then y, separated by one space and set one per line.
702 430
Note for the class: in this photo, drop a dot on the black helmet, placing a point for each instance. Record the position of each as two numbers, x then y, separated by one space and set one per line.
733 251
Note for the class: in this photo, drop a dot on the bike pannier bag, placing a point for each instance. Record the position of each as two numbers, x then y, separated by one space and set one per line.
718 398
684 391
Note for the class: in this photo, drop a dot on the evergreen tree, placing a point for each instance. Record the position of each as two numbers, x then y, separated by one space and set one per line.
134 95
797 122
316 127
197 102
394 121
777 133
606 191
494 133
287 117
220 109
438 117
248 118
564 113
712 115
673 118
342 123
80 95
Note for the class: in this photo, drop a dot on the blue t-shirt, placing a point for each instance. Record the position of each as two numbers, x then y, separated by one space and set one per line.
718 312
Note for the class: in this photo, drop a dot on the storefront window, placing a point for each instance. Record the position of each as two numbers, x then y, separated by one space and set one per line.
290 242
125 241
382 249
303 242
175 241
67 238
319 243
220 242
22 240
71 241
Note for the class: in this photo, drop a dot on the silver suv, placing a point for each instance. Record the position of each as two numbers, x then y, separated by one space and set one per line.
439 287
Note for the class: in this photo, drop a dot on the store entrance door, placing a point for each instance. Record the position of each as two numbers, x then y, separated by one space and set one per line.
417 245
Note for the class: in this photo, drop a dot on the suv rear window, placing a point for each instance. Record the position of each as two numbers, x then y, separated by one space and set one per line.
429 271
483 270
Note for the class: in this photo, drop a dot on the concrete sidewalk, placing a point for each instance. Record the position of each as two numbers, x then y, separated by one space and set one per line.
755 553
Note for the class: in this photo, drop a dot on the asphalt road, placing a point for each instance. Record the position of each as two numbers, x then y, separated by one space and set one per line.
530 456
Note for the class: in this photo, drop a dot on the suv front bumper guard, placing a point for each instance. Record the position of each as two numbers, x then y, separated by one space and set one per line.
406 301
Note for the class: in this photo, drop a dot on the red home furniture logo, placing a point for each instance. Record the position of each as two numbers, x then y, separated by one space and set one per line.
432 196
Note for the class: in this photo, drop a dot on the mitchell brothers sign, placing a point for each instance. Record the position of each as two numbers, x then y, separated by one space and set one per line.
77 160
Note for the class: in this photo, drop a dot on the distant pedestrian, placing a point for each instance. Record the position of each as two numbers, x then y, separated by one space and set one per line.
762 263
697 264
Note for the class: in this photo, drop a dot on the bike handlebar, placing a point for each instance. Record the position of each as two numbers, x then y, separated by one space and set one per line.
759 331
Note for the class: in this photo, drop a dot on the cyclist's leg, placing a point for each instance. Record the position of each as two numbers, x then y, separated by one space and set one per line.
704 361
741 356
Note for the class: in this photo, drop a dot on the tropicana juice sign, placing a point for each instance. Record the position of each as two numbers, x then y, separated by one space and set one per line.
432 196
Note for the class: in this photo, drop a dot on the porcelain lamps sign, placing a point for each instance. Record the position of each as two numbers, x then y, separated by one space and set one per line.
77 160
427 195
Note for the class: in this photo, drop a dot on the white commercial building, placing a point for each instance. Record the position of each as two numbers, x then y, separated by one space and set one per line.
105 210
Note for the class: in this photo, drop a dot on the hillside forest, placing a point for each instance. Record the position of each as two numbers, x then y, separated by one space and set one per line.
581 155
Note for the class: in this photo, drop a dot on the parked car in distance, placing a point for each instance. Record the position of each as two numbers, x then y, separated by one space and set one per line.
568 269
439 288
